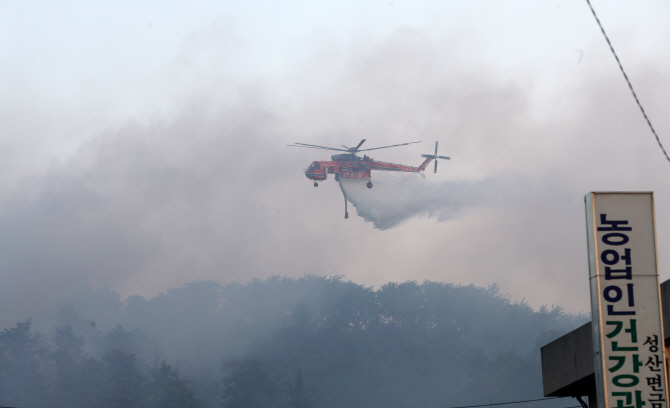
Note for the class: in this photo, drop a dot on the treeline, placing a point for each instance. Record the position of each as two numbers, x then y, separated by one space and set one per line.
309 342
34 375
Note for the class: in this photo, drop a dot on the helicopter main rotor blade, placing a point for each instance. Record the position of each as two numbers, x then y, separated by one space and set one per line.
359 145
384 147
317 147
353 149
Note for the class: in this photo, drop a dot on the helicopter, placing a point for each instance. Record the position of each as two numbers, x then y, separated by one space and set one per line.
350 166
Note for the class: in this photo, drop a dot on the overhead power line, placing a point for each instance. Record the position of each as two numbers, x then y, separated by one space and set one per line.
616 57
513 402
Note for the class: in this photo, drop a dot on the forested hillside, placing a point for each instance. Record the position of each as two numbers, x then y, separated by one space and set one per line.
309 342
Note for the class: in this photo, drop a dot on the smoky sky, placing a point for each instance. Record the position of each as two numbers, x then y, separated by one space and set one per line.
211 191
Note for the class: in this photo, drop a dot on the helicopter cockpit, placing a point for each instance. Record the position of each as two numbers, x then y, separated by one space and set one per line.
314 166
316 171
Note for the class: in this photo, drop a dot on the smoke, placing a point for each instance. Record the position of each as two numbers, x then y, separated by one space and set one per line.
207 189
396 198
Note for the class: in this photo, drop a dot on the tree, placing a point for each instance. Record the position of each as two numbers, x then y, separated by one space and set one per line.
24 373
119 339
78 376
247 386
299 396
123 381
168 390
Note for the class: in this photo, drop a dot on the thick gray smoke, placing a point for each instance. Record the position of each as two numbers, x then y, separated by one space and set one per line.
207 189
395 198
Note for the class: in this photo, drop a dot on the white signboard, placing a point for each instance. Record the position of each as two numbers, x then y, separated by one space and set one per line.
625 301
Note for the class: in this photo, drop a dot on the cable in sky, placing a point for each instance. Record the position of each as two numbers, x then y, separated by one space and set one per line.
512 402
616 57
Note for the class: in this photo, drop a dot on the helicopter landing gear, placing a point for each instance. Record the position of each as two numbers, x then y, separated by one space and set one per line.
316 184
369 184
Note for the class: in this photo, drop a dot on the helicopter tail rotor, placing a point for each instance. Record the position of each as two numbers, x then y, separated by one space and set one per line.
435 157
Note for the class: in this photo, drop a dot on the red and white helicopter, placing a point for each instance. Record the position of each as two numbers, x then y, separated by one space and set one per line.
350 166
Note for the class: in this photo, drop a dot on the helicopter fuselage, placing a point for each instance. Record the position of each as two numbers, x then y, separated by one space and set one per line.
353 167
